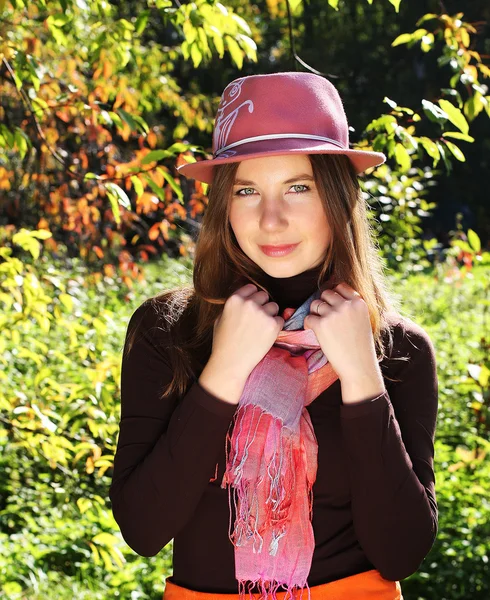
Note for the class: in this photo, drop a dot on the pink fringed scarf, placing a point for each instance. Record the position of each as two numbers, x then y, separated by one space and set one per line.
271 463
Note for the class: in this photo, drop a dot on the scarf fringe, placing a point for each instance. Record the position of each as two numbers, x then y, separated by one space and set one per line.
268 590
274 448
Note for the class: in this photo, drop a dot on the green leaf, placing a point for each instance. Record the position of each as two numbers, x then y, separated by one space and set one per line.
156 188
474 240
434 113
138 186
431 148
114 206
473 106
396 4
155 155
218 43
455 94
142 124
8 135
456 151
242 23
116 119
127 118
180 147
459 136
190 32
141 22
454 115
89 175
402 157
18 82
426 17
22 142
235 52
117 196
389 102
444 156
106 539
173 184
249 46
334 4
295 6
196 55
40 234
404 38
203 42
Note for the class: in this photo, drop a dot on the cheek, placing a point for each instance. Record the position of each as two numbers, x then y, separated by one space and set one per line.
239 223
318 228
312 218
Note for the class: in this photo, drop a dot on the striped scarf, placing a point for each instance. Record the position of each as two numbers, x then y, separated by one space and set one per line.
271 461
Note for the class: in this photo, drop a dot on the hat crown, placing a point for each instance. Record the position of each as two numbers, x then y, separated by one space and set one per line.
271 106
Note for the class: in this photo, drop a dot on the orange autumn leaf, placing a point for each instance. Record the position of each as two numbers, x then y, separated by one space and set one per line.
107 69
152 139
63 115
154 232
164 228
146 203
157 178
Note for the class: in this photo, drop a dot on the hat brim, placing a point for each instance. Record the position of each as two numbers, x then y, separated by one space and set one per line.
203 170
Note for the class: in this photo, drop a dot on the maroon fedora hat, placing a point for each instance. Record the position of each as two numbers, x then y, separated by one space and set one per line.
279 113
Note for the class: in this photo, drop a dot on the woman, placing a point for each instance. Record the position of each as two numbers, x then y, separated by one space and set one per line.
278 417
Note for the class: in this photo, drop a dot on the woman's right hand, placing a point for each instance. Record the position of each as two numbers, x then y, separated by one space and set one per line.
246 330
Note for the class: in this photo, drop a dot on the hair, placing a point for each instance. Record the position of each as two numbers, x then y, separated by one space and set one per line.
188 313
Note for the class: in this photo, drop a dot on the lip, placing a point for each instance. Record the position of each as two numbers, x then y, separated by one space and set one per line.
280 250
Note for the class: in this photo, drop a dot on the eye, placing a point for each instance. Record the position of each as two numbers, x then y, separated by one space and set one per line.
300 185
237 193
296 185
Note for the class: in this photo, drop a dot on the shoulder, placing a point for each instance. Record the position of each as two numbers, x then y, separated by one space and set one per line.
407 334
412 345
156 317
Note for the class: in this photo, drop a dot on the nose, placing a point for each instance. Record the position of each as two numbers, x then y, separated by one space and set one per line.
273 213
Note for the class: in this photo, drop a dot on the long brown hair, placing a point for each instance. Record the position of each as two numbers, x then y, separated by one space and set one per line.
188 313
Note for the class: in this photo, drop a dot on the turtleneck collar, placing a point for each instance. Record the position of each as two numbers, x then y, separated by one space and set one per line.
291 292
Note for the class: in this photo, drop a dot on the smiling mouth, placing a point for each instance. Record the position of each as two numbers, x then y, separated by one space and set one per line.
281 250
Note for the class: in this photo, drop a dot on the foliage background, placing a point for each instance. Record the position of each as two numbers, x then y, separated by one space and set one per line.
100 101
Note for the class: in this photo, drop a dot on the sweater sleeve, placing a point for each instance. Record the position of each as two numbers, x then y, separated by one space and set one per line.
390 450
167 449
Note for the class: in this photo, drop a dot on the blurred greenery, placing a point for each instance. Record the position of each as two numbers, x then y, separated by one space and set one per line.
100 101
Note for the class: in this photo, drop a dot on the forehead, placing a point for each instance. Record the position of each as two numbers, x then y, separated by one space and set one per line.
278 167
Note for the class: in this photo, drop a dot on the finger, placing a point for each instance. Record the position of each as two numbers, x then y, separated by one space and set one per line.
332 297
346 291
271 308
310 321
246 290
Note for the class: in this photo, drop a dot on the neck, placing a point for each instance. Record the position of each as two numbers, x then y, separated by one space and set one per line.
291 292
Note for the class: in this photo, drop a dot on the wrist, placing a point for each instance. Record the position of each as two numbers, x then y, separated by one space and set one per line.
362 388
217 366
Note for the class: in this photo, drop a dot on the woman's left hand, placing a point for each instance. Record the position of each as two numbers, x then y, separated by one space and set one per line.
343 330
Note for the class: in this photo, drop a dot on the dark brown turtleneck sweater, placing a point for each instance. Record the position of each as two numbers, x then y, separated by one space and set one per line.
374 499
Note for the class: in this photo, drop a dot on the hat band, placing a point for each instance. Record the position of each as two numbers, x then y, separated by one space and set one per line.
279 136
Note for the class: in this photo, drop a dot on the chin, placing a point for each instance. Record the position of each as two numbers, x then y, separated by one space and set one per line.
281 270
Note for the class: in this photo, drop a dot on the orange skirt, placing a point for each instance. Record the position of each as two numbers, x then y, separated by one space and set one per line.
363 586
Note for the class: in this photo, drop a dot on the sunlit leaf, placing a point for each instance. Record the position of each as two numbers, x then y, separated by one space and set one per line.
402 157
459 136
235 51
474 240
454 115
456 151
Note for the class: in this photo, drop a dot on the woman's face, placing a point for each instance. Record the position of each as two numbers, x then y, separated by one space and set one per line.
275 201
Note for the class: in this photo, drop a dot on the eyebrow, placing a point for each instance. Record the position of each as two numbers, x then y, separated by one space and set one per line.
303 176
